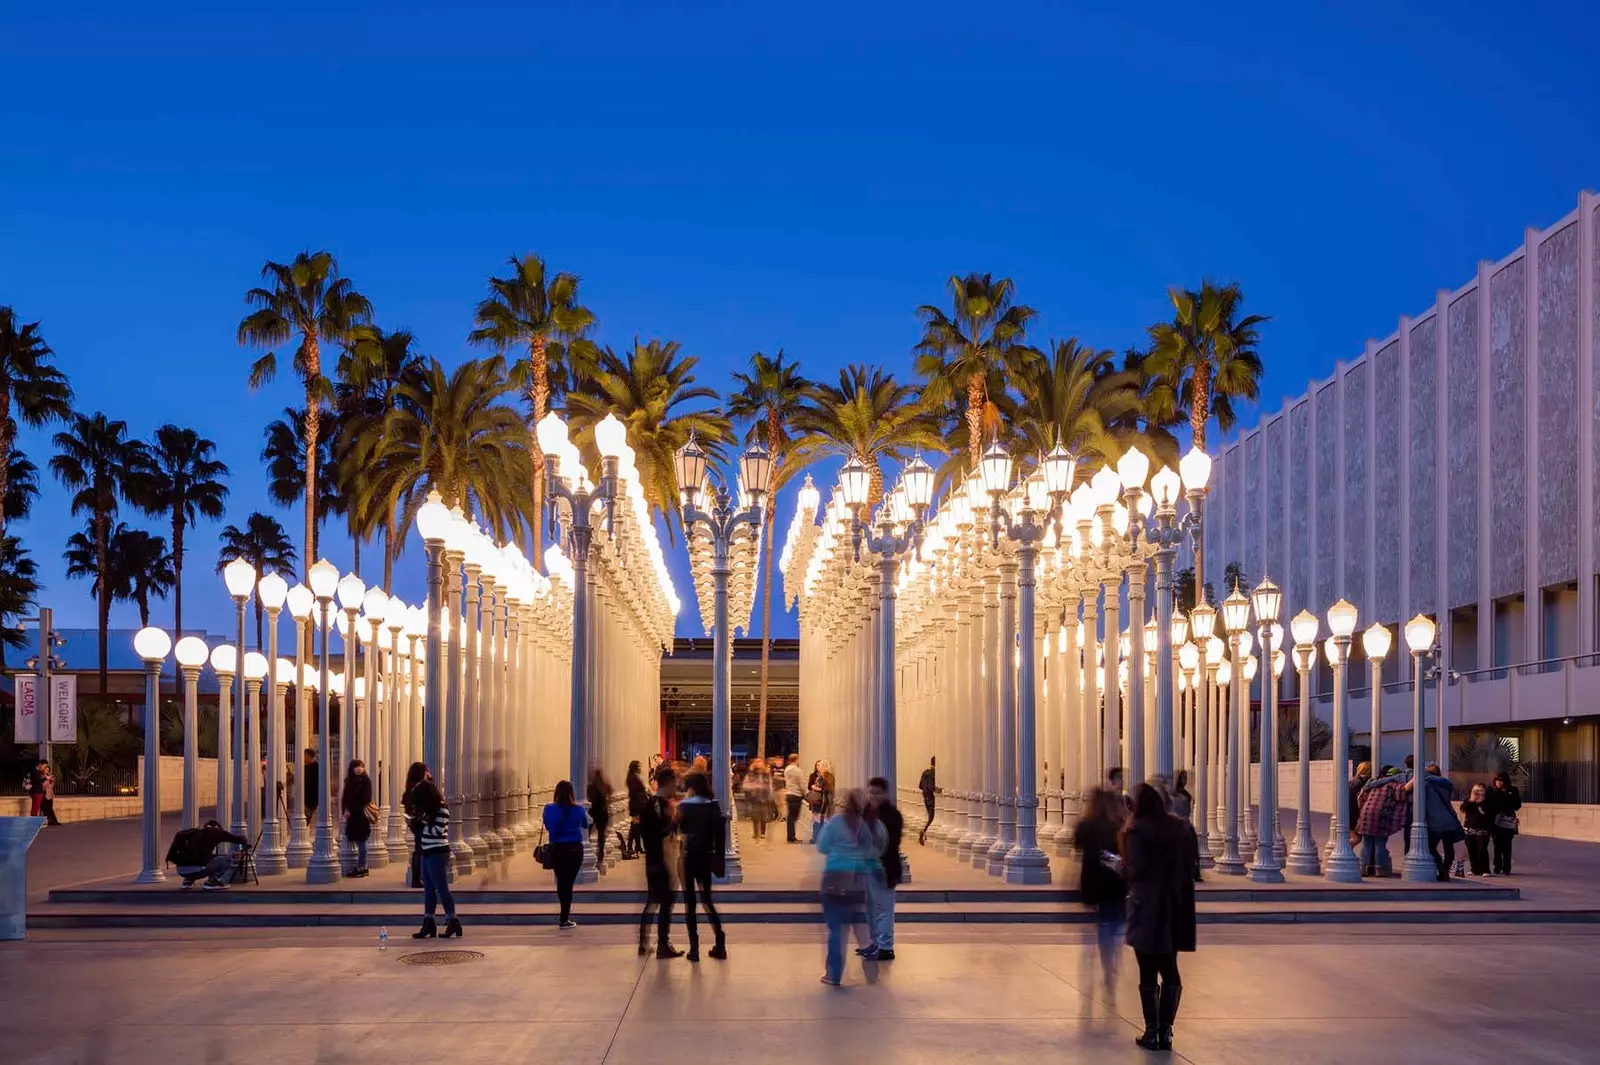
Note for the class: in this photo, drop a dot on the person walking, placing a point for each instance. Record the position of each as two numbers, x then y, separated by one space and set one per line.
1504 801
1100 885
1476 825
354 799
599 796
432 819
1354 787
929 786
565 822
705 843
758 798
313 774
655 827
882 882
852 846
1159 857
794 793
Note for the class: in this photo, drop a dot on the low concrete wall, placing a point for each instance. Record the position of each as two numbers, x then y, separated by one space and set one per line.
1561 821
1289 785
102 807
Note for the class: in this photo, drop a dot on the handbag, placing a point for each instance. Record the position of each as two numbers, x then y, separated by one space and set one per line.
541 850
372 813
844 887
1507 822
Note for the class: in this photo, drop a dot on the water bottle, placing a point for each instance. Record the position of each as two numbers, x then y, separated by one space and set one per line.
383 940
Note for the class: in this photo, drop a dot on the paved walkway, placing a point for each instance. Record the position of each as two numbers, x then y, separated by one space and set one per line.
1250 998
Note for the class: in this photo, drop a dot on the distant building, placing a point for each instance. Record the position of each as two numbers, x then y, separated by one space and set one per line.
686 697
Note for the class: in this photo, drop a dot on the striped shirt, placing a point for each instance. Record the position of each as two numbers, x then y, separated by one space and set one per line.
435 832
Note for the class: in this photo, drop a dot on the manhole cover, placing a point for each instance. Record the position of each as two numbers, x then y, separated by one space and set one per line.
441 957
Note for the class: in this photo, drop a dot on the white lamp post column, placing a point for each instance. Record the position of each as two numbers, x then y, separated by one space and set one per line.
191 653
1419 866
255 672
240 577
1303 856
298 852
396 836
225 663
472 733
1342 865
152 645
1267 867
1235 619
324 865
272 590
1376 642
374 607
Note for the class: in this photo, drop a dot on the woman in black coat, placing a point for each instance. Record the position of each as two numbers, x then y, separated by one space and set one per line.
638 796
1502 804
1101 886
1159 858
354 797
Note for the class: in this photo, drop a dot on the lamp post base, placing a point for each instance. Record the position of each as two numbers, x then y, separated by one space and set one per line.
324 867
1303 858
461 860
1342 867
395 836
588 872
1026 865
378 847
151 876
1419 867
1229 862
272 858
298 852
1204 846
733 865
480 852
1003 845
1266 869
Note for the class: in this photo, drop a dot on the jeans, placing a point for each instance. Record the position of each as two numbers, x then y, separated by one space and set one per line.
1443 849
436 881
1110 916
361 853
601 825
565 861
1478 852
927 802
1375 853
880 911
840 914
1502 849
658 903
219 867
697 887
793 802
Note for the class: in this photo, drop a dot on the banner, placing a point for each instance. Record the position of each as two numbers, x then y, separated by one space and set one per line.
25 726
64 709
61 714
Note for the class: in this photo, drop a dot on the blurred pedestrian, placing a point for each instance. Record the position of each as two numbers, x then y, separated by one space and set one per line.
1158 861
638 795
47 805
313 785
852 846
1444 828
354 799
705 842
1476 825
1383 813
929 786
758 798
882 882
33 784
1100 884
794 793
599 796
1504 801
432 819
565 822
655 827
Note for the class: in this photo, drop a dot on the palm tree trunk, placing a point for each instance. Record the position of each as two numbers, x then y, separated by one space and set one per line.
1199 416
974 422
313 371
388 552
8 438
177 575
144 611
260 629
355 555
539 393
102 563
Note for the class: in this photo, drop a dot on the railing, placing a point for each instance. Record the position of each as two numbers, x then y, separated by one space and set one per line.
1526 669
112 780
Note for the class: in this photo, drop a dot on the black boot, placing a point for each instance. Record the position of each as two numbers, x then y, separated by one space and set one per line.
694 950
1150 1002
719 949
1171 995
665 949
452 927
429 929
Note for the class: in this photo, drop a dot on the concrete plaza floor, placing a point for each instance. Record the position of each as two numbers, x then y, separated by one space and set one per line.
1305 996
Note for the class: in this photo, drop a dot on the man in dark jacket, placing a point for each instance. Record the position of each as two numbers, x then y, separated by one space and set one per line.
880 889
655 827
313 773
929 787
192 851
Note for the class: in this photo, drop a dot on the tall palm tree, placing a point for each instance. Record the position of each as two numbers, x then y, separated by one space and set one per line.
535 308
19 587
647 387
868 414
456 432
971 351
138 566
370 374
308 304
97 459
1078 397
770 397
1204 360
265 545
32 390
22 486
283 449
184 483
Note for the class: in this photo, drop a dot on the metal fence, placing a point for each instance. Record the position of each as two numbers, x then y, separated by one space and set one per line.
109 780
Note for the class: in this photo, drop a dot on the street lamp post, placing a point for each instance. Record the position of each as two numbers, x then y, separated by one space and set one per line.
225 663
722 521
300 601
1208 655
272 590
1419 867
1268 601
1342 866
152 645
239 577
1376 642
324 865
1236 621
191 654
433 522
1303 856
374 607
255 671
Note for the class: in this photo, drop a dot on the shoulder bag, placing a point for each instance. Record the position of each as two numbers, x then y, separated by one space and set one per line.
541 850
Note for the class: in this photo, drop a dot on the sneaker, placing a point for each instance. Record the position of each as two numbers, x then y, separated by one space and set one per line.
830 983
867 952
214 885
882 955
568 925
187 885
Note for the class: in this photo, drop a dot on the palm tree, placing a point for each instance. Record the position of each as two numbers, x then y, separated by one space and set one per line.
646 388
1204 360
22 487
184 482
19 586
98 460
138 566
307 303
770 397
869 415
265 545
31 390
542 311
370 374
1077 397
972 351
283 449
453 431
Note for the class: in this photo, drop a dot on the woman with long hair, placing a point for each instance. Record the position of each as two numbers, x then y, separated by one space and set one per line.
354 798
852 846
599 796
432 819
416 776
638 795
704 845
1159 858
566 823
1101 887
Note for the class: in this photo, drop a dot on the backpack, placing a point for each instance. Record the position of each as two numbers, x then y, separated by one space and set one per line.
184 844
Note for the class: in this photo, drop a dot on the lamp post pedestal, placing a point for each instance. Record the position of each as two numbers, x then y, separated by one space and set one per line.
324 865
1303 858
1419 866
1025 862
150 786
1268 866
1342 866
274 856
1230 862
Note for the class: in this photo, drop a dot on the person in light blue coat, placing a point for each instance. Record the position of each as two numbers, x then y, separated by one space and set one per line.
852 848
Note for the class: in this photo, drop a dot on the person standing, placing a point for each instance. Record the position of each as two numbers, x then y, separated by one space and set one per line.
416 776
852 847
313 772
1504 801
47 807
33 783
929 787
599 796
354 798
565 822
794 793
704 830
655 826
1477 824
1159 858
638 795
1444 829
758 797
432 818
882 882
1100 884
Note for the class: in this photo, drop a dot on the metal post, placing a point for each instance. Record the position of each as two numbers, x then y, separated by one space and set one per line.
1026 863
377 846
224 748
1165 703
582 534
240 825
1342 865
1202 756
433 708
191 746
1419 867
1006 746
150 787
274 857
1135 735
298 853
324 865
472 734
42 696
1231 863
1303 857
1267 868
455 721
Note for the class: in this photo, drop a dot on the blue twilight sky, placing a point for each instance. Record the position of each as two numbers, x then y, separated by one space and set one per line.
745 176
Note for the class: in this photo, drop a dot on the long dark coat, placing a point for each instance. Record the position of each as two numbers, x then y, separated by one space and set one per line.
1159 859
357 793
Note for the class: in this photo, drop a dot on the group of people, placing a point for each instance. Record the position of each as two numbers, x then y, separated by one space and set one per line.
40 784
762 782
1382 805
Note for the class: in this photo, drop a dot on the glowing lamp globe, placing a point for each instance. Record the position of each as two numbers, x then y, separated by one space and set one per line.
755 470
324 579
1104 485
917 478
1060 467
192 652
272 590
152 644
1164 486
1224 673
300 601
283 672
552 434
610 436
1342 618
1376 641
352 590
1304 628
1267 600
1196 470
240 577
374 603
255 665
995 469
854 482
1420 631
433 519
225 660
1133 468
1203 621
1215 649
1330 647
1189 657
1179 631
690 466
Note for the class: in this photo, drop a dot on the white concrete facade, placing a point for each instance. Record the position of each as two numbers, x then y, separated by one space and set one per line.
1450 470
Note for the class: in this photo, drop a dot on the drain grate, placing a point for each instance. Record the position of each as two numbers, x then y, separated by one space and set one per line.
441 957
